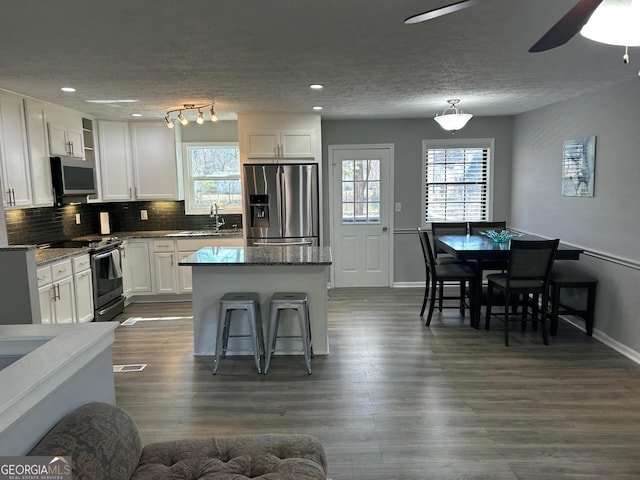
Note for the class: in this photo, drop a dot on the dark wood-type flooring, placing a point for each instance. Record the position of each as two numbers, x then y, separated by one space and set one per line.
398 400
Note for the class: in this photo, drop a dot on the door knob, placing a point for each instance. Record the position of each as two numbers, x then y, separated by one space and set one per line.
384 229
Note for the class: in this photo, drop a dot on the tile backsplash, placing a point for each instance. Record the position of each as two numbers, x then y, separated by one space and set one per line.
49 224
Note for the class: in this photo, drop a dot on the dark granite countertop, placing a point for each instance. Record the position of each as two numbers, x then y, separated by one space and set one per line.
167 233
45 256
265 255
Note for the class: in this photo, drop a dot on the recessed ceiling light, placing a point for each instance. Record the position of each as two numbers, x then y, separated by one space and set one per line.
136 114
317 108
68 89
316 86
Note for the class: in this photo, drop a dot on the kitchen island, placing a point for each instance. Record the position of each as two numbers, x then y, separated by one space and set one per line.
264 270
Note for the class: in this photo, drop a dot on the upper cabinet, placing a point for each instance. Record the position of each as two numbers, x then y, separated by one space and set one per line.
115 161
38 153
65 141
155 168
14 162
277 136
284 144
64 127
138 161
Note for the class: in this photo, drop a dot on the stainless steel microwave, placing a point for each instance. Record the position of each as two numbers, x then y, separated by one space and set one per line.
73 180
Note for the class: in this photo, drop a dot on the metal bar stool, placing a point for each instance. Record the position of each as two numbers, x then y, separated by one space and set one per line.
564 278
249 302
290 301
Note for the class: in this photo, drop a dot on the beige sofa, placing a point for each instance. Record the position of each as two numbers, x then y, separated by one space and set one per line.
104 444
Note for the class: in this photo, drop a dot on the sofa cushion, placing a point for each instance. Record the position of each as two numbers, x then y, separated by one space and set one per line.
285 457
102 439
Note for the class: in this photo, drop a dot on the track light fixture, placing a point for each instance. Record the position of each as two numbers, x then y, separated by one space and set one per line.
190 106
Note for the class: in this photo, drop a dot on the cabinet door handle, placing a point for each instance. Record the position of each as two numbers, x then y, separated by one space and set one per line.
130 192
56 292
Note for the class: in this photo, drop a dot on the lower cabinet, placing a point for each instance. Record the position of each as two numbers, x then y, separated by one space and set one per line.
152 266
136 268
83 288
164 259
184 273
56 292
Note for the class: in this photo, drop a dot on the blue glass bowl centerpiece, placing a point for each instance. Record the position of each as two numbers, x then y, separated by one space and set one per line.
501 237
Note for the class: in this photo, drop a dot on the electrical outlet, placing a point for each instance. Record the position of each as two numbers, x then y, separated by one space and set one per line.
77 219
143 215
398 207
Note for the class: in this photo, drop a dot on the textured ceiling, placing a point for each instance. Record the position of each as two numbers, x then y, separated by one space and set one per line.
261 55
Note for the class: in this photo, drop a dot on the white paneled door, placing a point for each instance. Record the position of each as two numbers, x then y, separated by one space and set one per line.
361 215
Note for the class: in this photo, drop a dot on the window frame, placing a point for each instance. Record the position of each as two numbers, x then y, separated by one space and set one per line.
484 143
189 196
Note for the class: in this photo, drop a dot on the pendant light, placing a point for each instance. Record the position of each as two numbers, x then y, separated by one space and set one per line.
453 119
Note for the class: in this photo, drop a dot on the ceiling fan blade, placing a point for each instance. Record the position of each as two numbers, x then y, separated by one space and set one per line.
567 26
438 12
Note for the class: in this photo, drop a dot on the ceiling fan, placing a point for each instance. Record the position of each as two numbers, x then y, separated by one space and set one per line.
563 31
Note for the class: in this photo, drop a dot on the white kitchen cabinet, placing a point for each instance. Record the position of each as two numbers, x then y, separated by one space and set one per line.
65 140
138 161
115 161
14 161
166 274
155 168
57 298
285 144
187 246
277 137
185 285
83 288
138 267
40 164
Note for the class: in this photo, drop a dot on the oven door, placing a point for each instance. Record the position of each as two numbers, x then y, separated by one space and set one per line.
107 276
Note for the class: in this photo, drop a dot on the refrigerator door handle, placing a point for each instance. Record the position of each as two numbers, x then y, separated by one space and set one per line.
282 199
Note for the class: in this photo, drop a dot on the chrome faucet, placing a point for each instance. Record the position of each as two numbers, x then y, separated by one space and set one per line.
213 213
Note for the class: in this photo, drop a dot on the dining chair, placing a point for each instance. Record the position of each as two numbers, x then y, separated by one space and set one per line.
439 229
528 273
447 272
476 227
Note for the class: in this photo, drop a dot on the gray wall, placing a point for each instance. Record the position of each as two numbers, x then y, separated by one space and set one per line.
223 131
606 225
407 135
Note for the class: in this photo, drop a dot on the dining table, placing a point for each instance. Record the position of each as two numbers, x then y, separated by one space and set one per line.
482 252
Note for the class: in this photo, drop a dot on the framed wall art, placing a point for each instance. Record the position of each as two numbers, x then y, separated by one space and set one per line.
578 167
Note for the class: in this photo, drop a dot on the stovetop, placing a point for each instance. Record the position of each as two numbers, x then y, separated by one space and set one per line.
93 245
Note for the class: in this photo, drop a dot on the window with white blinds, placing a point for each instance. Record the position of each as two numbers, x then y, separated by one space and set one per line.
456 180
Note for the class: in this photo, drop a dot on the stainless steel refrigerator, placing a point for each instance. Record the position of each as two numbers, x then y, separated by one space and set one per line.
282 205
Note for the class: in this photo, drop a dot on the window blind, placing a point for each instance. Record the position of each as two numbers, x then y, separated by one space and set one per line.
456 184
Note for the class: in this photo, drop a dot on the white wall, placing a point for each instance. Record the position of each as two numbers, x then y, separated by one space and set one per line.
606 225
